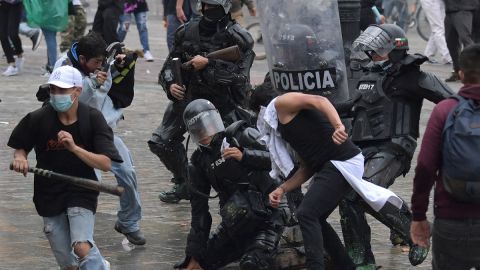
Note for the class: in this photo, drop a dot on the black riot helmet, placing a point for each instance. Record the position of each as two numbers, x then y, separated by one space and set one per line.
224 4
297 48
202 120
385 39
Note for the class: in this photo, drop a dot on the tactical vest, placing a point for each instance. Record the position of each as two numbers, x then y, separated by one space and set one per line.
386 111
196 44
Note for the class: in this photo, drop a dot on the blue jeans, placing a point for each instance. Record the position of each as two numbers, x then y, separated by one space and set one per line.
456 244
51 41
172 24
140 21
66 229
130 211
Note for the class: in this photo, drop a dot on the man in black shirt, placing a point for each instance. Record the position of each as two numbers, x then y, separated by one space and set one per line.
71 138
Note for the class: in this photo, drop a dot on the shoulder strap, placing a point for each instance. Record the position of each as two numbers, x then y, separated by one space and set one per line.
232 130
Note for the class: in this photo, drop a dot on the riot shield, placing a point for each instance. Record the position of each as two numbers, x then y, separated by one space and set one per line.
304 46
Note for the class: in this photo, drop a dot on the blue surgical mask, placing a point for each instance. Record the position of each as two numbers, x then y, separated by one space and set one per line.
61 103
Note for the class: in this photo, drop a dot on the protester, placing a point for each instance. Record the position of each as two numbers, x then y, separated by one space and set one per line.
58 133
10 15
100 92
139 9
458 29
170 19
335 163
456 227
435 13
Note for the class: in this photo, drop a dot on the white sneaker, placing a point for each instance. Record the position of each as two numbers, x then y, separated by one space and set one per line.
19 63
107 263
11 71
148 56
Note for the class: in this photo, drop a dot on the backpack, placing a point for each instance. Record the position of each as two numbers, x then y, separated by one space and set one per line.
461 151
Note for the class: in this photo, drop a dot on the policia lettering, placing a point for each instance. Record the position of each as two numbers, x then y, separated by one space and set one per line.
304 80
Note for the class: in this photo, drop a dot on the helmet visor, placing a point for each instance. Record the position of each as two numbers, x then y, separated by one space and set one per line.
374 39
204 125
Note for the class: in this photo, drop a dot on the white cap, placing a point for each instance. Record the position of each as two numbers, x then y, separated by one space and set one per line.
66 77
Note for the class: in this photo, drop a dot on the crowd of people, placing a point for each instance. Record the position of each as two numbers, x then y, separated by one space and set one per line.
254 145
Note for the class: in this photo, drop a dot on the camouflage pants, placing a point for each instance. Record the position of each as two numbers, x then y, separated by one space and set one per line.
76 28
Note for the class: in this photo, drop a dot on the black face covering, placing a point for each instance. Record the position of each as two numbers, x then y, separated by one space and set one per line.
214 14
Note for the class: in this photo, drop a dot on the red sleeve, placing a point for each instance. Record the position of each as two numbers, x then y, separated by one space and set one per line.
429 159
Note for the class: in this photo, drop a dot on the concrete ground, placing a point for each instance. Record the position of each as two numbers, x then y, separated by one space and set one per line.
24 246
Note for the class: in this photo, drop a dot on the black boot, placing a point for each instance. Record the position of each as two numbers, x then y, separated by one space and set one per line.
178 192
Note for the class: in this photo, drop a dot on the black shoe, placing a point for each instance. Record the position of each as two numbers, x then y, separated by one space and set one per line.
417 254
136 238
36 38
453 78
176 194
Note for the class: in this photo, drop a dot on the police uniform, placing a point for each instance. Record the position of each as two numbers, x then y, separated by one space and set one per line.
386 114
223 83
249 229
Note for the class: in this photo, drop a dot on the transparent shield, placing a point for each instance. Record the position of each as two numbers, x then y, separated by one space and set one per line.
304 46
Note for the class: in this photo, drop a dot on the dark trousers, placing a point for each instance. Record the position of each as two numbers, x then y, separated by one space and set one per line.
327 188
106 22
258 241
456 244
458 34
10 15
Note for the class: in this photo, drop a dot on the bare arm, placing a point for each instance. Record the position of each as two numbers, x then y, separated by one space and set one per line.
297 179
93 160
290 104
179 9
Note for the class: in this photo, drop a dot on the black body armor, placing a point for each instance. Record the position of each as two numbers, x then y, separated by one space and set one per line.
253 239
223 83
390 103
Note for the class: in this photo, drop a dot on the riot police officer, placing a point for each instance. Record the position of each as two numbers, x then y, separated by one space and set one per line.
224 83
386 112
236 165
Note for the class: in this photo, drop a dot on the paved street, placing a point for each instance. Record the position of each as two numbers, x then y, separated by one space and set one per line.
22 242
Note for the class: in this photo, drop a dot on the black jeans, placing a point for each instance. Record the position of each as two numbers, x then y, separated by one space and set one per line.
10 15
327 188
458 33
456 244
